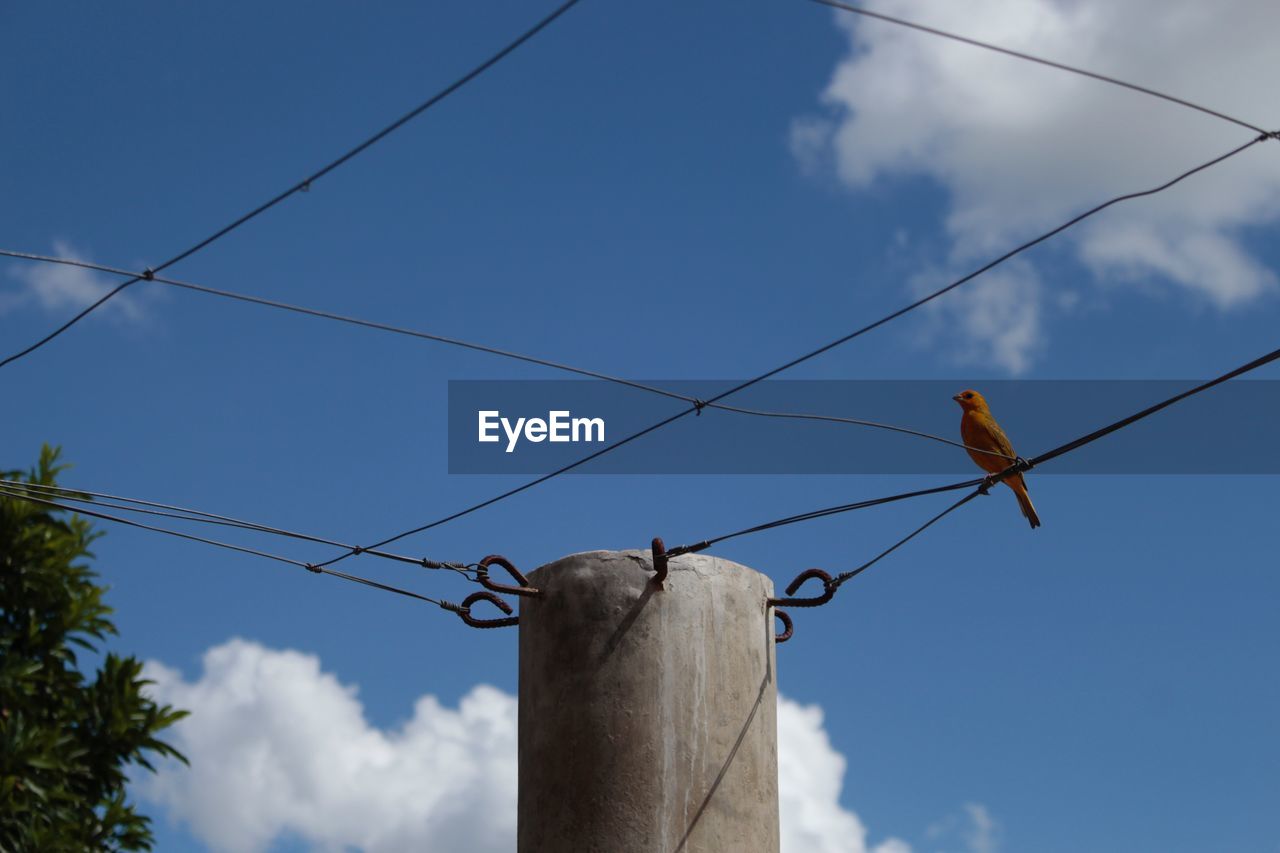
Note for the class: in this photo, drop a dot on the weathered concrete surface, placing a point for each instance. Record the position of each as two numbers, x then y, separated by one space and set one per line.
648 718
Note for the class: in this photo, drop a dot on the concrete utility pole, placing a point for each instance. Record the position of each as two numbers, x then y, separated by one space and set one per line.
648 715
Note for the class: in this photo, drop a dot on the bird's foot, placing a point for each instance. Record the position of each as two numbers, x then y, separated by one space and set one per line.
987 482
1023 465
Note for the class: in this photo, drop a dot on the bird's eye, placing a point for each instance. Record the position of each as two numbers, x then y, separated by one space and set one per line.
968 395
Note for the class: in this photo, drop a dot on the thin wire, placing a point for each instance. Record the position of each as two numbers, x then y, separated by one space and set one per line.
327 315
819 513
701 404
200 516
306 182
354 321
529 485
164 510
857 422
834 4
985 267
67 325
129 522
984 484
375 584
31 498
1261 361
841 578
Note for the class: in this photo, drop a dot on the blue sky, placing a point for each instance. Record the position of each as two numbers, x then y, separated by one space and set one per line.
694 192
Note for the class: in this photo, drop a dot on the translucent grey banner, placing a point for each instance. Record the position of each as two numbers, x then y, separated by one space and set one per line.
534 427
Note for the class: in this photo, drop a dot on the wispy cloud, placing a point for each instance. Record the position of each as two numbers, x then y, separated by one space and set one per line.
995 319
63 290
279 747
973 829
1018 148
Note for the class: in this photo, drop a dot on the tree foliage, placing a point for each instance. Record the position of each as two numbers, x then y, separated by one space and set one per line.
66 742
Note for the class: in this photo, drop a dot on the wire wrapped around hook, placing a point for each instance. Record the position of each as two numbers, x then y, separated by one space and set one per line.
828 590
464 611
482 574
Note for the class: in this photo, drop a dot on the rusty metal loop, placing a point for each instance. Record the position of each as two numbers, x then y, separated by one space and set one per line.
464 611
482 574
659 562
828 590
787 625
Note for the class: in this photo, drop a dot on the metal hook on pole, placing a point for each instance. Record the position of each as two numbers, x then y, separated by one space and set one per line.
828 590
660 567
482 574
464 611
788 628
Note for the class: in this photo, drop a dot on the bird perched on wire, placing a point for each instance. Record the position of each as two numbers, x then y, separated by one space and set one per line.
980 432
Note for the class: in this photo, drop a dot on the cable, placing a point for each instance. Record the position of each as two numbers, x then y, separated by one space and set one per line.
1261 361
529 485
312 312
985 267
354 321
305 183
857 422
841 578
834 4
30 498
327 315
698 405
818 513
308 566
984 484
701 404
67 325
84 496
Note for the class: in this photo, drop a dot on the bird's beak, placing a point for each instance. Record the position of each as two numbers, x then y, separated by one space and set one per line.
956 398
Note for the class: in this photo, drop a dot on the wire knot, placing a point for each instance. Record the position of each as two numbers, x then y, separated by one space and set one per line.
698 406
357 550
149 274
313 568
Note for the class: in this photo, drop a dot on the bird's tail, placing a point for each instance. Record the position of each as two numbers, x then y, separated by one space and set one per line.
1024 501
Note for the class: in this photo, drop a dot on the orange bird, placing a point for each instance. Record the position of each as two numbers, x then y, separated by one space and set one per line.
979 431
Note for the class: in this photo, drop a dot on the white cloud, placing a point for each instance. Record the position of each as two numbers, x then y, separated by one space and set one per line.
280 748
59 288
1018 148
810 776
